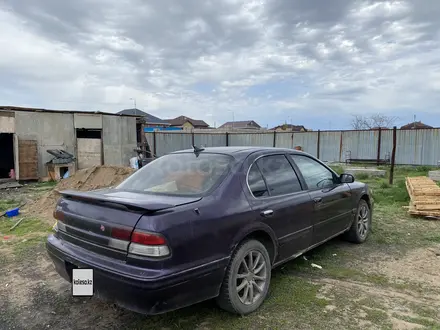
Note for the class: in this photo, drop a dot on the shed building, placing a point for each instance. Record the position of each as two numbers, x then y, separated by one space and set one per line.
94 138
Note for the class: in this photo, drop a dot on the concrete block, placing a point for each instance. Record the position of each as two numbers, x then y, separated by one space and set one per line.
434 175
368 171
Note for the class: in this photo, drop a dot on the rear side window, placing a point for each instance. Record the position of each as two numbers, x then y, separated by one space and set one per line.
279 175
256 182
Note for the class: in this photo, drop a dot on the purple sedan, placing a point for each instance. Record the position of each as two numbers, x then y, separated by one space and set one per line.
205 223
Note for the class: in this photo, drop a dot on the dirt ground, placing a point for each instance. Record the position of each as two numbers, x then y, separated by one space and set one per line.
390 282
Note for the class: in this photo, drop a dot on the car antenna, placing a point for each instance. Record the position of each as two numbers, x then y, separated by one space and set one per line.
197 150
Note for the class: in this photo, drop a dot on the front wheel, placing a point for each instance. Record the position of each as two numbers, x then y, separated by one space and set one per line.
361 227
247 279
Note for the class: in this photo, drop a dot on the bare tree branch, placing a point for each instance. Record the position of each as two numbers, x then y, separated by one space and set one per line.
360 122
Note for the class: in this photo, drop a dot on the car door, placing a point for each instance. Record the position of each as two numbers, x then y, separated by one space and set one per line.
277 196
332 199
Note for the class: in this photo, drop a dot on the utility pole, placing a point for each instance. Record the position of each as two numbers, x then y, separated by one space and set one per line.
135 109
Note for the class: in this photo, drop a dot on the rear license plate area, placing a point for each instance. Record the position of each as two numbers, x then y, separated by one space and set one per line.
69 267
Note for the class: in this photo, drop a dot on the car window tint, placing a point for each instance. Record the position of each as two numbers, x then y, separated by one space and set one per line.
279 174
256 182
315 174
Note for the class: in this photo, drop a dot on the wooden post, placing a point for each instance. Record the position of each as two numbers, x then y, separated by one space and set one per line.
378 146
227 139
319 142
274 139
393 154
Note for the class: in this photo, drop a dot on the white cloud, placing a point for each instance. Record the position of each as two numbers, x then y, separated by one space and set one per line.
197 58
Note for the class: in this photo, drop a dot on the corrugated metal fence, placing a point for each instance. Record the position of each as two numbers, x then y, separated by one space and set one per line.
413 147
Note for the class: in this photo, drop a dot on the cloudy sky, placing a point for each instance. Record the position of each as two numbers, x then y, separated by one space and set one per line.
307 62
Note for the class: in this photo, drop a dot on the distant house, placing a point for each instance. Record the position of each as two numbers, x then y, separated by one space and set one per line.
187 123
245 124
289 128
415 125
149 120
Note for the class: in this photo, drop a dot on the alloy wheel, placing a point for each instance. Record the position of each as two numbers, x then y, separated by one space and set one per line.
363 221
251 277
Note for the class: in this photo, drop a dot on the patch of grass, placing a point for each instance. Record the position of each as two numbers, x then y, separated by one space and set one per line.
44 184
423 311
362 176
292 296
337 169
396 193
428 323
28 225
434 238
376 316
26 248
7 204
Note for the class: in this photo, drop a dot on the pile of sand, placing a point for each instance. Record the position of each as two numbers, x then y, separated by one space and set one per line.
92 178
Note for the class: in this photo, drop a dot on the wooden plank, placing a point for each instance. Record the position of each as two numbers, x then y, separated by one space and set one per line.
427 213
428 207
425 196
28 159
426 201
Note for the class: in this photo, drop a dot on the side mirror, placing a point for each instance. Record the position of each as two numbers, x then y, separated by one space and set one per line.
346 178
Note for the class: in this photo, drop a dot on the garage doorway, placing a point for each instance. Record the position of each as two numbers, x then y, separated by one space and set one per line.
89 146
7 154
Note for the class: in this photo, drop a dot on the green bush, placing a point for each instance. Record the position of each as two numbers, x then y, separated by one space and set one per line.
362 176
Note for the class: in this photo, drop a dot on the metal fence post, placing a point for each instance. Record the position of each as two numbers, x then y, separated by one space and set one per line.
274 139
319 142
378 146
227 139
393 154
340 147
154 143
192 138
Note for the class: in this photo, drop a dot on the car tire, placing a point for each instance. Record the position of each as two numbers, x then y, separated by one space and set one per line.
242 291
361 227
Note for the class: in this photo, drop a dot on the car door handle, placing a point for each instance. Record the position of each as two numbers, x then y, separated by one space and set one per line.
317 200
267 213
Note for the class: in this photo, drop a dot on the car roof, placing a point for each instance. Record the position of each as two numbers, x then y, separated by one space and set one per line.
239 151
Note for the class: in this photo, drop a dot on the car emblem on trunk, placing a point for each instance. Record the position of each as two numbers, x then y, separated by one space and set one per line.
102 228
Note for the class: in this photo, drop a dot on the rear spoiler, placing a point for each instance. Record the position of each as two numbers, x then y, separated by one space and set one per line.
94 198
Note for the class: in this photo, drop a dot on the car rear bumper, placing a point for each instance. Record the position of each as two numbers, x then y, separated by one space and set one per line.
143 295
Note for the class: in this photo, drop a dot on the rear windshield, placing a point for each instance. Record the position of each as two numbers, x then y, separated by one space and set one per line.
180 174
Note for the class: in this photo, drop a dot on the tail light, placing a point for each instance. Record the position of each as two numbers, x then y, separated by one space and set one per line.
148 244
59 216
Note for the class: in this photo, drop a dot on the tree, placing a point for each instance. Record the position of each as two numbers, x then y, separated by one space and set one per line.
374 121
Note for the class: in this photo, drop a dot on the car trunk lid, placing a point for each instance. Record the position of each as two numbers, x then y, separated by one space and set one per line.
103 221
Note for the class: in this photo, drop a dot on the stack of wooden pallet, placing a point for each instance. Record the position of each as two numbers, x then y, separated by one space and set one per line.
425 196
